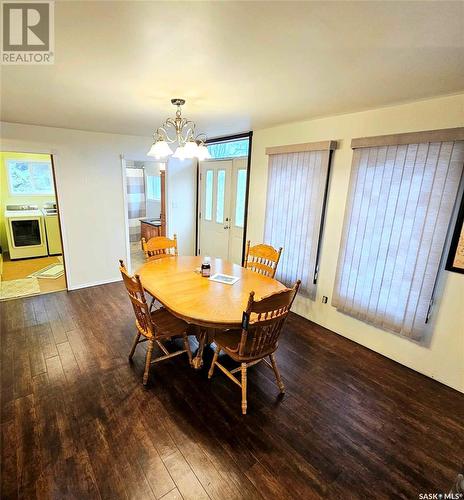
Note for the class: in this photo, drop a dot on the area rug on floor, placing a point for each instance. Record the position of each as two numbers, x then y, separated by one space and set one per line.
19 288
50 272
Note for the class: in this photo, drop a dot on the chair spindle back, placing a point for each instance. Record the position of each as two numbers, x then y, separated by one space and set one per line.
159 247
262 259
137 297
263 321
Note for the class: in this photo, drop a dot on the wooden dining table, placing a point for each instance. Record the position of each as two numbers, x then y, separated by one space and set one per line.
208 305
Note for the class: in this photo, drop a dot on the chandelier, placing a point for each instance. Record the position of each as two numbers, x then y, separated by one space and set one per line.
182 131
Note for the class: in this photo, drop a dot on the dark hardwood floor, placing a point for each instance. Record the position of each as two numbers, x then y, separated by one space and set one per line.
77 423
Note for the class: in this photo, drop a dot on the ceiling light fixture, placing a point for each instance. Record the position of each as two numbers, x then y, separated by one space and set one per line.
189 145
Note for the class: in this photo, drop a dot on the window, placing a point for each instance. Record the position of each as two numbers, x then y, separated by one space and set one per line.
399 206
30 177
229 149
209 195
295 201
153 187
221 184
240 198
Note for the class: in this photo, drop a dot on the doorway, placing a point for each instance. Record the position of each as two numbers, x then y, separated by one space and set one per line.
31 250
145 206
223 183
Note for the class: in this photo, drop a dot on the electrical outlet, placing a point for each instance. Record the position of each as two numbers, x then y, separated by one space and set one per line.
324 299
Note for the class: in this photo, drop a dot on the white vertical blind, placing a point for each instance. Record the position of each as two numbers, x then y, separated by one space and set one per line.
294 205
399 206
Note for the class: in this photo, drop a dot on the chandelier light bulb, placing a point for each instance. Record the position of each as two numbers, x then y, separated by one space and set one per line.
160 149
180 153
190 149
203 153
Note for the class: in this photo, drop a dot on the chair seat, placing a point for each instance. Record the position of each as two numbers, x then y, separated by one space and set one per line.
229 340
166 324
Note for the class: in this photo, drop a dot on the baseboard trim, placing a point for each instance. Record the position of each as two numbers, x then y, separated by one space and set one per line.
95 283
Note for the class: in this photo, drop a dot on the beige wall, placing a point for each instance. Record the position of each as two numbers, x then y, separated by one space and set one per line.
441 356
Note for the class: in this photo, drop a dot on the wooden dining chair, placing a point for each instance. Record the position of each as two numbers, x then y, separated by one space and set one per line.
154 326
257 339
159 247
262 259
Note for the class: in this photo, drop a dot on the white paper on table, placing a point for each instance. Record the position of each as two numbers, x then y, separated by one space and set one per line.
227 279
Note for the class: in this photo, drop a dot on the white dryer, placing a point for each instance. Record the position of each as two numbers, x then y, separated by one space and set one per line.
52 228
25 231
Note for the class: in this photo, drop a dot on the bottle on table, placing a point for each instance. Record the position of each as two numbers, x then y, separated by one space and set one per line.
206 268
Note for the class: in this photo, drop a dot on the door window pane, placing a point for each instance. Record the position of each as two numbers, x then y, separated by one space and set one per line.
240 198
221 183
209 195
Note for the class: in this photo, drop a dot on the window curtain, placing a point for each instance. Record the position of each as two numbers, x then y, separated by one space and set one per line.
136 203
296 193
398 211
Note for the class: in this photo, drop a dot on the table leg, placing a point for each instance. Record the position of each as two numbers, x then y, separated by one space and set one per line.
202 337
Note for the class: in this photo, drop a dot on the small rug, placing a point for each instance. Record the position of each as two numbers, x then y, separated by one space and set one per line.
50 272
19 288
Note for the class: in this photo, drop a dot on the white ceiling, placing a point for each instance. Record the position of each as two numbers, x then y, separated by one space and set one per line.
240 65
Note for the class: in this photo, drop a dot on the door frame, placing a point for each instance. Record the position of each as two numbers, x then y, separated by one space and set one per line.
215 140
141 158
54 159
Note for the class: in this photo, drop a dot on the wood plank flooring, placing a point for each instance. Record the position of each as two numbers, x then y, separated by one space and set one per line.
77 423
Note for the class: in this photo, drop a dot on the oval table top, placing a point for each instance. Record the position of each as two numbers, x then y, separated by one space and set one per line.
197 300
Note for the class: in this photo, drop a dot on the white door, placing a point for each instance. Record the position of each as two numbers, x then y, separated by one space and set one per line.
215 207
237 212
222 208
